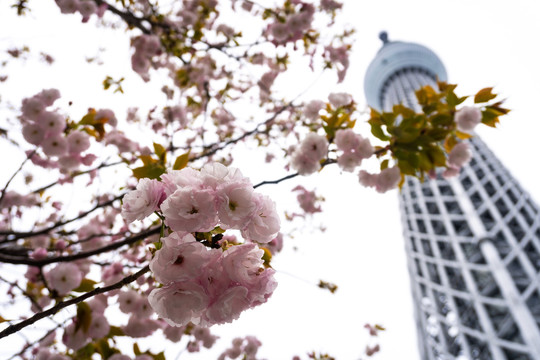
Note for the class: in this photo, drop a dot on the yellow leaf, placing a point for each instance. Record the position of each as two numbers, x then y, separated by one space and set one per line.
181 161
484 95
463 135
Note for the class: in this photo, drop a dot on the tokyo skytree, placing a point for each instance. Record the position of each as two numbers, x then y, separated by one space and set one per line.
472 242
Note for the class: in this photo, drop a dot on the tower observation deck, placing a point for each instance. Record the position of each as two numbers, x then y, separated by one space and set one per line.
472 242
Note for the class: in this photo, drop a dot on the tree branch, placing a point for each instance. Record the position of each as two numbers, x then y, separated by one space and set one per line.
21 325
23 235
82 255
219 146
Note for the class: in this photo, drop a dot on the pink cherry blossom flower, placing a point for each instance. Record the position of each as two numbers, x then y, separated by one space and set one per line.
264 224
99 327
87 8
339 99
119 357
33 133
181 258
330 5
55 146
304 164
311 109
228 306
64 277
128 301
32 107
78 141
179 303
235 205
459 155
314 146
176 114
173 333
213 174
140 203
450 172
203 335
48 96
349 161
140 327
74 339
176 179
68 6
106 115
307 199
388 179
276 245
347 140
190 210
69 163
467 118
243 263
51 122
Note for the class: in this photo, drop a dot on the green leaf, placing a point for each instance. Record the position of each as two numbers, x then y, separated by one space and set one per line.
86 285
406 135
103 347
160 356
388 119
181 161
136 349
490 117
150 171
378 132
84 317
160 151
384 164
86 352
437 156
484 95
116 331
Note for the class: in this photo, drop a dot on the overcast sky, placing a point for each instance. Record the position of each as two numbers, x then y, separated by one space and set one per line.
482 43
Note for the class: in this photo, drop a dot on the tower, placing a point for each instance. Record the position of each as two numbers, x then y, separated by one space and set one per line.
472 242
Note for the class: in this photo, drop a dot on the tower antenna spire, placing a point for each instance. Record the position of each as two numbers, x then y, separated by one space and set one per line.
383 35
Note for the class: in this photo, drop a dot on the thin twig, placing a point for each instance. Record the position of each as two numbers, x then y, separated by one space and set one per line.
219 146
21 325
101 166
15 174
22 235
290 176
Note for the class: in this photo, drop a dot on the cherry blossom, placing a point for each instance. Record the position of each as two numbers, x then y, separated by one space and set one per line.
460 155
143 201
467 118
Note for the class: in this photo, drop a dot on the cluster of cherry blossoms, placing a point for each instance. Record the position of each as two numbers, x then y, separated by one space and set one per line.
247 347
198 201
207 286
146 47
203 285
46 129
466 120
294 25
85 7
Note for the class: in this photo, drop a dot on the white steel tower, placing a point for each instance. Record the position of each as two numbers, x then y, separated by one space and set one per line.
473 242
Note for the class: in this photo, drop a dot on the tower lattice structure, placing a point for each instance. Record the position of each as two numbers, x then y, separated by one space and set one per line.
472 242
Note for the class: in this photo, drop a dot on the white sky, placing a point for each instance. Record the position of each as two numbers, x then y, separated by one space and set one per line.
482 43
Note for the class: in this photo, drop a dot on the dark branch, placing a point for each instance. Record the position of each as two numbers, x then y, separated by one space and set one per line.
290 176
19 326
82 255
